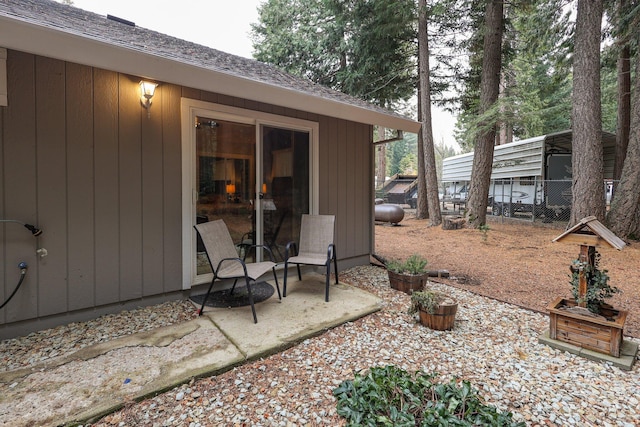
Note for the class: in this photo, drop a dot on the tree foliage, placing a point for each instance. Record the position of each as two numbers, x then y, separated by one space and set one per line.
539 101
402 157
535 95
362 48
368 48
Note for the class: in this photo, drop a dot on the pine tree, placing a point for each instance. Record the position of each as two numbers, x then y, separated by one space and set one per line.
586 156
476 212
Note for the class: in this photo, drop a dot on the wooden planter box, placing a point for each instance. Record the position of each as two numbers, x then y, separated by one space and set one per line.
593 333
442 319
407 283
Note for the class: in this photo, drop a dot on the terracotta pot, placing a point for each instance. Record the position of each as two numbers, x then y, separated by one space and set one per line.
407 283
442 319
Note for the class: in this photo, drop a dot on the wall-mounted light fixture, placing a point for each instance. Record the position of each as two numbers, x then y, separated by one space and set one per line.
147 90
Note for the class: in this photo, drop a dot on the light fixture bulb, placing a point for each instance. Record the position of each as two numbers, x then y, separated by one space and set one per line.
147 90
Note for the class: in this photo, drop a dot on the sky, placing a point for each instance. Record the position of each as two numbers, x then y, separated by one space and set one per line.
220 24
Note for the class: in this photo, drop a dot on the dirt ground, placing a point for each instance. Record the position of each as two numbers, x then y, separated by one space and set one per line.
515 263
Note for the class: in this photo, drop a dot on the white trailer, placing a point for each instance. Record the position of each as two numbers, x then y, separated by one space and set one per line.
531 175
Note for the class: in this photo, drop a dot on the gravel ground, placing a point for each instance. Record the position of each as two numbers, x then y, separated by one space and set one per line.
514 262
39 346
494 345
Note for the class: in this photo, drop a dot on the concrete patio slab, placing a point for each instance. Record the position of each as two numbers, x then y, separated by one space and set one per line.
99 379
301 314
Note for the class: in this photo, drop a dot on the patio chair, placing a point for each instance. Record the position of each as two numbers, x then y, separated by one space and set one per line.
226 264
316 248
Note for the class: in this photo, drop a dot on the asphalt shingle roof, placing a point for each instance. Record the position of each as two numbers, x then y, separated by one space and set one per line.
89 25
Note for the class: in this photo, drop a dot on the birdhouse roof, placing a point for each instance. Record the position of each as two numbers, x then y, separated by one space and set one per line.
591 232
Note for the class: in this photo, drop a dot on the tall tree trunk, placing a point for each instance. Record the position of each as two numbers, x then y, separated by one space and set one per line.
505 135
476 213
586 158
426 132
624 216
422 208
624 100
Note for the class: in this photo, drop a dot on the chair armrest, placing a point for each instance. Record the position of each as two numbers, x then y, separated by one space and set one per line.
264 248
291 246
244 266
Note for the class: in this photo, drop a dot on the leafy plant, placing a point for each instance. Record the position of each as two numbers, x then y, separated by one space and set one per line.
598 288
415 264
484 229
390 396
426 300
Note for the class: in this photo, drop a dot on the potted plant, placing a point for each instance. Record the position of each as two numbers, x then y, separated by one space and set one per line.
435 309
408 275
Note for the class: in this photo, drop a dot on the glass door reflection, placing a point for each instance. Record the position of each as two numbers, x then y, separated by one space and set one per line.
285 186
225 180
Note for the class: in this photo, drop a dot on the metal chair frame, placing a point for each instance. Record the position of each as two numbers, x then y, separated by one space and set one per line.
293 256
224 265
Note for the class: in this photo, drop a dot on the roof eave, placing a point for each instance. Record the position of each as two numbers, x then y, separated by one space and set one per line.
37 39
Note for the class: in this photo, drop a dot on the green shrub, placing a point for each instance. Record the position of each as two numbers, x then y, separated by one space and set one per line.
415 264
390 396
427 300
598 288
484 229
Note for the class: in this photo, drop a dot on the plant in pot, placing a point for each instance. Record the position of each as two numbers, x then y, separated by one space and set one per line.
436 310
408 275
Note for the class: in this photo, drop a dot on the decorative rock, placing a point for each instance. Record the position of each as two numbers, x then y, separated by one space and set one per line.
485 348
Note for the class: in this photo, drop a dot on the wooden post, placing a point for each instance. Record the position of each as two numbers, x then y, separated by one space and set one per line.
587 256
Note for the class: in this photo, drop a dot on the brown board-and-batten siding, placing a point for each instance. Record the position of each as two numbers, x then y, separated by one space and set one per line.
346 172
82 160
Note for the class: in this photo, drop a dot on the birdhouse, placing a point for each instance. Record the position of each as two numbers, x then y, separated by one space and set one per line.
591 232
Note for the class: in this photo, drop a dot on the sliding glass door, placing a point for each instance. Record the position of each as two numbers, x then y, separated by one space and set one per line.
256 178
225 178
284 185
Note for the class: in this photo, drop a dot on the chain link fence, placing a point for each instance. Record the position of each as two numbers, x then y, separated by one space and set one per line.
526 199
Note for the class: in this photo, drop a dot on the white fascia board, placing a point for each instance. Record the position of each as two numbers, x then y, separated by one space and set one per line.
49 42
